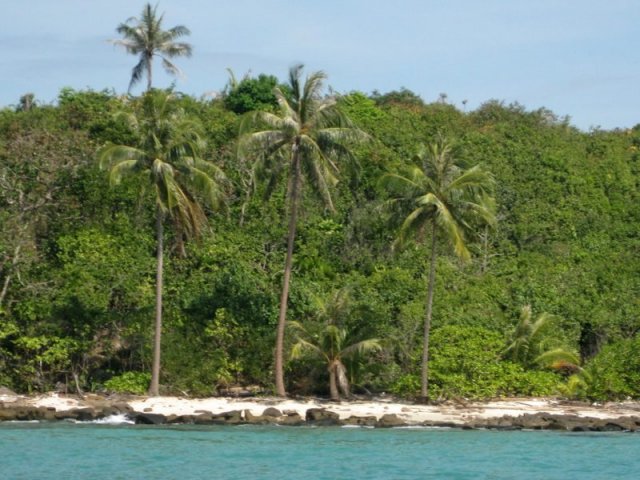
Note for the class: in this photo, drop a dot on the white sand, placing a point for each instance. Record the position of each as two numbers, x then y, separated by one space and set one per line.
410 413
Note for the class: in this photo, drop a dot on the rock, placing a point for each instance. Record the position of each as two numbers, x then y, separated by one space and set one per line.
532 421
389 420
322 417
292 419
85 414
181 419
271 412
233 417
369 421
122 407
145 418
252 419
203 419
24 413
621 424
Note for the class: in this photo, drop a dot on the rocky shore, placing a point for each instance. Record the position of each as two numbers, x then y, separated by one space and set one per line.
512 414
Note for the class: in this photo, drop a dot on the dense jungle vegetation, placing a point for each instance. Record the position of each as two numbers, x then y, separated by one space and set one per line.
78 257
542 297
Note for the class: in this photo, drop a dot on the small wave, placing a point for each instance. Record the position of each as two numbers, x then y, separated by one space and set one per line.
118 419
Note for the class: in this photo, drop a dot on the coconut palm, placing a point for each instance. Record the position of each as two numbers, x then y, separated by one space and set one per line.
446 202
145 37
168 155
331 344
303 140
532 344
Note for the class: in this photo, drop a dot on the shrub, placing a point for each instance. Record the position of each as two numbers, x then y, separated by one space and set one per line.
129 382
466 363
615 371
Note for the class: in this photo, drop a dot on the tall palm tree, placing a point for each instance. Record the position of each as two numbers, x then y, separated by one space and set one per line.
331 345
446 201
145 37
167 153
304 139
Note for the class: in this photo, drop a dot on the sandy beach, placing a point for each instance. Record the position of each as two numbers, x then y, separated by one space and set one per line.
454 413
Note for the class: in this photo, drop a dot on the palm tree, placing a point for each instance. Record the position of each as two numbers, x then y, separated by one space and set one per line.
533 344
168 155
145 37
304 139
444 201
330 345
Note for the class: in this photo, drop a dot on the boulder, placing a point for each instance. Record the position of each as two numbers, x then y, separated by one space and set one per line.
290 419
322 417
145 418
252 419
369 421
26 413
389 420
532 421
203 419
234 417
271 412
181 419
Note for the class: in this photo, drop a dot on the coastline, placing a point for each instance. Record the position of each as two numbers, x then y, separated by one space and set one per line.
514 413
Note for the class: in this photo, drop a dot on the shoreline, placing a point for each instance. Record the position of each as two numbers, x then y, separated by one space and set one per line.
513 413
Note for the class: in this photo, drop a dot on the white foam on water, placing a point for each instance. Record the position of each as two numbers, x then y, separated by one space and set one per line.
119 419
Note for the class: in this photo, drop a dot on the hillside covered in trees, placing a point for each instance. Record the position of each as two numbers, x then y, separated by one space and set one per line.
78 255
102 195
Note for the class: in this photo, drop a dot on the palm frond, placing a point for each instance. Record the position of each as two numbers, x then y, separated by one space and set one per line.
362 347
303 346
120 169
138 71
414 222
550 357
111 154
448 223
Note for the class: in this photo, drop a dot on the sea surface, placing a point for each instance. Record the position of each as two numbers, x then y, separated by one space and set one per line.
95 451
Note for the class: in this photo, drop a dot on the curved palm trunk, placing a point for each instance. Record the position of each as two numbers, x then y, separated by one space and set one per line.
294 193
155 366
424 389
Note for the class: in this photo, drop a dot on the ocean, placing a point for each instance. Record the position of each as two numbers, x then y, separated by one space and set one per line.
94 451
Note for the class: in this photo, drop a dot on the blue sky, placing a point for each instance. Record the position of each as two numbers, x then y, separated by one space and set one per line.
576 57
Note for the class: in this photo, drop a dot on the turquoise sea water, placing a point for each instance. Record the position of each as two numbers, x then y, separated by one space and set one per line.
88 451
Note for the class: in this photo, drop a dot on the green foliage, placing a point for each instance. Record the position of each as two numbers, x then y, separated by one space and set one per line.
250 94
615 371
76 256
466 363
535 343
136 383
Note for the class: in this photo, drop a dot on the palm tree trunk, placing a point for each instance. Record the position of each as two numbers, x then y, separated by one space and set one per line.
282 318
424 389
333 384
149 74
155 366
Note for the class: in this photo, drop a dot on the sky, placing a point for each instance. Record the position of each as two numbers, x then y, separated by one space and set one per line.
577 58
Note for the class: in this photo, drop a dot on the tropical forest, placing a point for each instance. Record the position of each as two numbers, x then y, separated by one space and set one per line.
286 239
